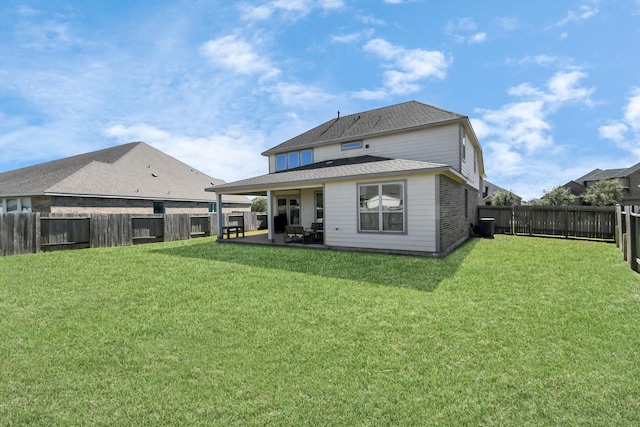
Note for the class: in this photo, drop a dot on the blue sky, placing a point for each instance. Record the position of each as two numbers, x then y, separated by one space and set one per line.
552 87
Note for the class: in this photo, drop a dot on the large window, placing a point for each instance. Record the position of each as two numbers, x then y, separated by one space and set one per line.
293 159
381 207
22 204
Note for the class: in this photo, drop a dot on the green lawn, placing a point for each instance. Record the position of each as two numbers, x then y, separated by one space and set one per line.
510 331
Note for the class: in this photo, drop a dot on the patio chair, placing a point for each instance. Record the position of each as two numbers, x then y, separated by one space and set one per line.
294 234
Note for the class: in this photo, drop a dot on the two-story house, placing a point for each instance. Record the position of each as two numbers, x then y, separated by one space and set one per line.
404 178
628 178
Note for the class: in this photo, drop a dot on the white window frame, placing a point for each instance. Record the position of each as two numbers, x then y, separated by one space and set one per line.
351 145
291 154
20 205
381 207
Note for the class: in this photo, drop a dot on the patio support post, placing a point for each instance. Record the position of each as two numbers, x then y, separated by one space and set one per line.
270 216
219 215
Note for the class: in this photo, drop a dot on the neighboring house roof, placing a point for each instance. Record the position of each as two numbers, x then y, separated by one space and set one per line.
327 172
629 171
599 174
487 195
400 117
133 171
605 174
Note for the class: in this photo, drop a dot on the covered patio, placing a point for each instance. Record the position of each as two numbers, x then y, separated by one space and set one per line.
262 238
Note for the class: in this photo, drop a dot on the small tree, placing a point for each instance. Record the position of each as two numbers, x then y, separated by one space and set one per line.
559 196
603 193
504 198
259 204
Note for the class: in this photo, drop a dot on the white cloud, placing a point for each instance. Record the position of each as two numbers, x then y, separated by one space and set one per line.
615 131
293 9
406 67
507 23
585 12
331 4
238 55
478 38
515 134
625 132
632 110
299 95
232 155
353 37
371 20
464 31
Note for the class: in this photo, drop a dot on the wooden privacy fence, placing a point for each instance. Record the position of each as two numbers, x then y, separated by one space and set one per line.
580 222
25 233
628 234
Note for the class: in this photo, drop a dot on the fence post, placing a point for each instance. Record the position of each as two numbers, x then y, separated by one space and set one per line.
618 227
632 249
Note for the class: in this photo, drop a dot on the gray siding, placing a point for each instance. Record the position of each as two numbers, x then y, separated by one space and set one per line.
341 222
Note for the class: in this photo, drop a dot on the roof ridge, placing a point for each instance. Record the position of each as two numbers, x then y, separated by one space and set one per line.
378 121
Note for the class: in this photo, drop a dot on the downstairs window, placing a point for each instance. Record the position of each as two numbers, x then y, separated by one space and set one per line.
381 207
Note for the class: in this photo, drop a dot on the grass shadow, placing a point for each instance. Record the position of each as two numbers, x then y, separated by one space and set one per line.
411 272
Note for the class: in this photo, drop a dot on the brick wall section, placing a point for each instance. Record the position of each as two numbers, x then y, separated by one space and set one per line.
60 204
633 197
454 224
41 204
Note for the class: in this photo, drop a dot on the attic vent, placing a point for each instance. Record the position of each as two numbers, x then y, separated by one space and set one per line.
154 175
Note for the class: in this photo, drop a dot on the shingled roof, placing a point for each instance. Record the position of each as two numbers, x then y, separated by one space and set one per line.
131 171
375 167
391 119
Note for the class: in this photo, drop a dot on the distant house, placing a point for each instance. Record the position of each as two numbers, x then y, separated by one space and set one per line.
489 189
629 179
404 178
130 178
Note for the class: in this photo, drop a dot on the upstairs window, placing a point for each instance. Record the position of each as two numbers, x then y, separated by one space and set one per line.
293 159
351 145
464 145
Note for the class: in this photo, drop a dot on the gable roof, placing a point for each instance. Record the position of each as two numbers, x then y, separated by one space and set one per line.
492 189
599 174
132 171
400 117
317 175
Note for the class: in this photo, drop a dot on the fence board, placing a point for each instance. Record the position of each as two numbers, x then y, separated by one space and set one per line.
108 230
589 222
177 227
200 226
30 232
62 231
19 233
147 229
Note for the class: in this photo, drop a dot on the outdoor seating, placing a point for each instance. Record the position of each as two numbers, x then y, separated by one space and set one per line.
237 227
316 234
295 234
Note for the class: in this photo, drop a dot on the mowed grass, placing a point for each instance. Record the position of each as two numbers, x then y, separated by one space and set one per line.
509 331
